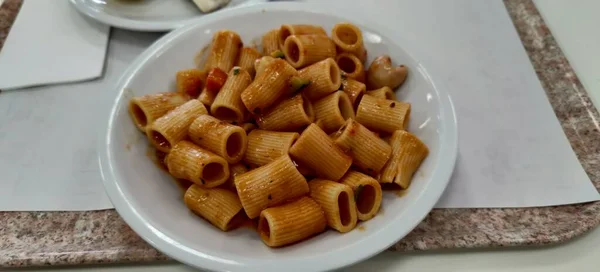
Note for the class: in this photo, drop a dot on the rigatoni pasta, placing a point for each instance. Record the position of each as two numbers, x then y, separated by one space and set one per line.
270 185
408 153
348 38
268 86
337 201
226 140
367 194
369 152
172 127
351 66
317 151
288 30
220 207
248 57
200 166
384 92
266 146
303 50
354 89
291 114
145 109
291 222
383 115
324 77
228 104
332 111
245 146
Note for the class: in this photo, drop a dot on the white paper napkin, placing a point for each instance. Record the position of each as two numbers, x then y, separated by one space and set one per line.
50 42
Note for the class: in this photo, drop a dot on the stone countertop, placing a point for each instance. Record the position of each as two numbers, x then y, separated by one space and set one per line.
68 238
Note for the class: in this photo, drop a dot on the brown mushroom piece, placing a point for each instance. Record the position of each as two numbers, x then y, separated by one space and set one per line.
381 73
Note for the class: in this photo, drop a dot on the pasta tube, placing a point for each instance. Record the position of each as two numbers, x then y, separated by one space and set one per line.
190 81
234 171
383 115
270 185
269 86
172 127
270 42
333 110
324 76
291 114
228 105
354 89
348 38
351 66
384 92
224 50
367 194
317 151
145 109
408 153
226 140
303 50
266 146
369 152
337 201
292 222
287 30
248 57
220 207
200 166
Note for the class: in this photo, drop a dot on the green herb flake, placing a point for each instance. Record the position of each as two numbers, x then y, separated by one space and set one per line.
277 54
299 83
357 191
236 71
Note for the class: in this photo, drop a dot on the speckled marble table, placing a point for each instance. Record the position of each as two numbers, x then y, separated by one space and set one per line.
66 238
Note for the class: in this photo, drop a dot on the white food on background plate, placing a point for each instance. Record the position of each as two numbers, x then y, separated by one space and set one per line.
210 5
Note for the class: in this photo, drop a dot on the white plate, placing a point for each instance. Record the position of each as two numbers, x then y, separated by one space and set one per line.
146 15
150 202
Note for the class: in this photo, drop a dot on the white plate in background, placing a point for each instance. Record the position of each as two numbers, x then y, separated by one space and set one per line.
151 203
146 15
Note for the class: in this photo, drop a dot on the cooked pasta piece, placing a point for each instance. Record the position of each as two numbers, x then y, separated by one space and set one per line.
220 207
288 30
291 114
318 152
224 139
408 153
303 50
270 185
351 66
249 127
384 92
367 194
324 76
369 152
268 86
145 109
354 89
248 57
190 81
337 201
383 115
224 50
266 146
332 111
270 41
228 105
198 165
292 222
172 127
234 171
348 38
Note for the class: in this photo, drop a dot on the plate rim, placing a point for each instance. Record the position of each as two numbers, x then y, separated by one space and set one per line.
331 260
137 25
